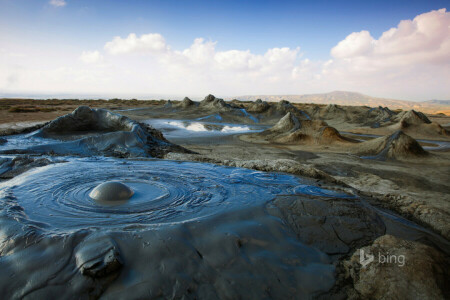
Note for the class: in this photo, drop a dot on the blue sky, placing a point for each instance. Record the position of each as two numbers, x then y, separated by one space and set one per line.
314 26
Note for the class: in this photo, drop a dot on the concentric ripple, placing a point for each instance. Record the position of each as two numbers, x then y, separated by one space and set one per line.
57 196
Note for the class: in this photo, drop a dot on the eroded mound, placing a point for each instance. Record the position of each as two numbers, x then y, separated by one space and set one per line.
186 103
291 130
418 125
397 145
288 123
87 132
258 106
86 120
212 102
412 117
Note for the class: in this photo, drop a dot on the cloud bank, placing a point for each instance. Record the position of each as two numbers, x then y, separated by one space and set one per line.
410 61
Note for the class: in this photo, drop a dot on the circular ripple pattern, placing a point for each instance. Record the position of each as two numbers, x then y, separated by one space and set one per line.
165 192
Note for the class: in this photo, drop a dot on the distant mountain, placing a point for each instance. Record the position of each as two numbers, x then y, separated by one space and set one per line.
356 99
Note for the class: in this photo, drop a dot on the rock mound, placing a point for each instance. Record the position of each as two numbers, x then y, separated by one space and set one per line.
286 124
397 145
187 103
418 125
274 111
212 102
84 120
258 106
362 115
283 107
168 104
87 132
413 117
377 116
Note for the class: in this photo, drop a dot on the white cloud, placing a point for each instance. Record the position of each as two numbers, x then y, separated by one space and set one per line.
91 57
146 43
58 3
355 44
236 59
426 39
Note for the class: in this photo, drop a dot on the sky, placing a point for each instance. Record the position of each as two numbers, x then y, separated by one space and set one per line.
140 49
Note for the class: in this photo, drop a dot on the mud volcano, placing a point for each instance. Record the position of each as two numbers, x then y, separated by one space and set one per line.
90 131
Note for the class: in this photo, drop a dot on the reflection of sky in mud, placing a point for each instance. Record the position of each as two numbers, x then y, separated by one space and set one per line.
197 126
56 197
180 128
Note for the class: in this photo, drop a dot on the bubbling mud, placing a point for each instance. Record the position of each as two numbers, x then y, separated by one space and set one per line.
58 196
111 192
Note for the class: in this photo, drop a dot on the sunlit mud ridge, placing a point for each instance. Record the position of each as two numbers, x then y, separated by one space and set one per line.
87 132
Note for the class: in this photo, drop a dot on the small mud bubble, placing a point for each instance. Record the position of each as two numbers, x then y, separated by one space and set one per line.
111 191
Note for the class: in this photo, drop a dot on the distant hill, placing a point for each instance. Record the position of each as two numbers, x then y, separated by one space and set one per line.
357 99
440 102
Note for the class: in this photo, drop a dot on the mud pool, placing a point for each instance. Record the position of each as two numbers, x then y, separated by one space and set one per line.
57 196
